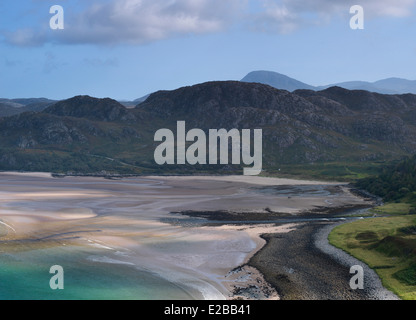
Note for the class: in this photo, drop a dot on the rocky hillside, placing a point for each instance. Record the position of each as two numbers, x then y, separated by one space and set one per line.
85 134
86 107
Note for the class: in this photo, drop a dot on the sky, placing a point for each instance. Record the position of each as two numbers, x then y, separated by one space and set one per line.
126 49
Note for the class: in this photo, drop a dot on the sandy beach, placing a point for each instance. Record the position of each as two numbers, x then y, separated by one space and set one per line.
125 220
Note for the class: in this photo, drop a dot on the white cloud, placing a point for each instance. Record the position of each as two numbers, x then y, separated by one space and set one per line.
397 8
285 16
276 18
113 22
393 8
142 21
134 22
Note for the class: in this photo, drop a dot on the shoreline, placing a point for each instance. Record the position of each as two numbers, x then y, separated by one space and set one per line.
246 282
127 213
260 287
373 286
373 289
260 180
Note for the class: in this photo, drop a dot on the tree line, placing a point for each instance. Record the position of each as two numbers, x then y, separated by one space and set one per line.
394 182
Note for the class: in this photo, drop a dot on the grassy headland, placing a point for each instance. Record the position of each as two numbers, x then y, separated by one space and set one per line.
387 243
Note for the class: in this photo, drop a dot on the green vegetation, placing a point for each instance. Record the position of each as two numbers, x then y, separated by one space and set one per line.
387 245
329 171
393 208
395 183
67 162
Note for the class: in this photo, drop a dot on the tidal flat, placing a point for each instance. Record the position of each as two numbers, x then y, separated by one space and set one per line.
127 239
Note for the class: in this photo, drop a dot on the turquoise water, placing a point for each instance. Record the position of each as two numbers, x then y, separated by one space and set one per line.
25 276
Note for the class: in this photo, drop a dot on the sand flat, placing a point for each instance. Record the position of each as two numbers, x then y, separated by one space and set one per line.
123 218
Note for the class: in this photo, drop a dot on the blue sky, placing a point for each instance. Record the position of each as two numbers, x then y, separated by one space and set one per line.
125 49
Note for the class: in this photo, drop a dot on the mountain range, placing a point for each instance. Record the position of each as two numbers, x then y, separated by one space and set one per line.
280 81
9 107
90 135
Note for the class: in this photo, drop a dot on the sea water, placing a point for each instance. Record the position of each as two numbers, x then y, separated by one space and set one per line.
24 275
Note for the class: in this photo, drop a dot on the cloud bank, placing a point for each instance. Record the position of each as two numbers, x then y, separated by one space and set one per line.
137 22
286 16
143 21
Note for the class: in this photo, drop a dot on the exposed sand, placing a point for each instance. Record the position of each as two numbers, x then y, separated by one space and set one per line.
246 282
122 217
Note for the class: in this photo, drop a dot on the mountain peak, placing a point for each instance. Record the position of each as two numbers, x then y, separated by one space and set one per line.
276 80
90 108
215 97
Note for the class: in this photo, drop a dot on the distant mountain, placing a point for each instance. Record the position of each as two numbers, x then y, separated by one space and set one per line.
9 107
10 103
33 101
89 135
276 80
397 84
134 103
142 99
279 81
386 86
358 85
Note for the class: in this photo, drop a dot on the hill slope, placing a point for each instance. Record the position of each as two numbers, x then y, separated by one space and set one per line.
86 134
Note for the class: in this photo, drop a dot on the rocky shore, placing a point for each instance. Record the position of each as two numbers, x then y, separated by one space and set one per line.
373 287
301 265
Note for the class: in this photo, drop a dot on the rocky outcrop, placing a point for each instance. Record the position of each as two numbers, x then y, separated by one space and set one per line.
86 107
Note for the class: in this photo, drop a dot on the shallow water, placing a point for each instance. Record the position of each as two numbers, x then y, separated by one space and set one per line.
198 222
88 275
